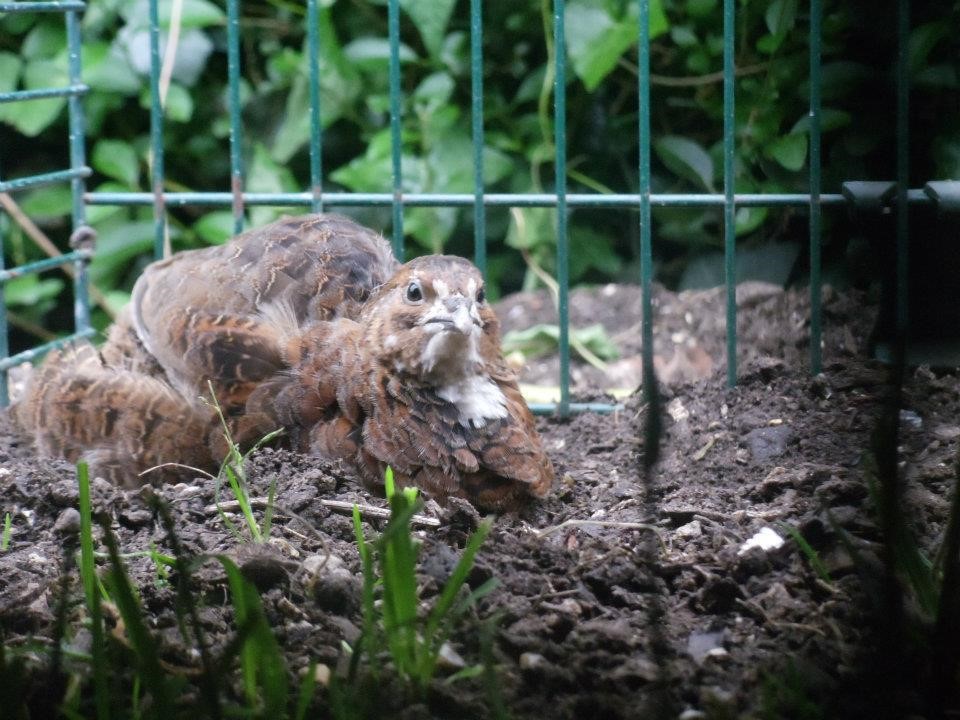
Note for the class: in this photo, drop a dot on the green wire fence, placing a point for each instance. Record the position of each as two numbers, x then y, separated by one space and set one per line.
318 200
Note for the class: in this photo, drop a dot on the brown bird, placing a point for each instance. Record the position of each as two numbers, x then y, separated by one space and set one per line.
310 325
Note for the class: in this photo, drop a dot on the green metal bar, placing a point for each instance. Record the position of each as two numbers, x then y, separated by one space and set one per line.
156 136
33 353
316 126
476 112
45 264
78 160
646 231
236 137
729 206
816 312
340 199
51 178
574 407
396 139
20 95
903 171
4 332
52 6
560 164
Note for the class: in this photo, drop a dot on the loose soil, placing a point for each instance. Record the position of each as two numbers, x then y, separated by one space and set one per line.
621 595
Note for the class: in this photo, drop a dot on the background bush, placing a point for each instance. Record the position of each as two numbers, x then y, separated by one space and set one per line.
686 103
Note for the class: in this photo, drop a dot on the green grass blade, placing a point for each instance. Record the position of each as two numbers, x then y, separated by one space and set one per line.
808 552
369 642
457 578
90 581
7 532
260 655
268 513
308 687
142 642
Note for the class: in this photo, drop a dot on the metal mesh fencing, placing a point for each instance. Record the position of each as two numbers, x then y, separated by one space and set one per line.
316 198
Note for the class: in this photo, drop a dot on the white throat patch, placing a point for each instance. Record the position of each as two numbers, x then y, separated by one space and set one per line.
477 398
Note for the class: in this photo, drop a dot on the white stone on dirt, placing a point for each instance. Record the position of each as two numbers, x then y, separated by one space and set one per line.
766 539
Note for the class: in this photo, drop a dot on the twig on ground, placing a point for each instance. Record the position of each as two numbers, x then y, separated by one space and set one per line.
597 523
338 506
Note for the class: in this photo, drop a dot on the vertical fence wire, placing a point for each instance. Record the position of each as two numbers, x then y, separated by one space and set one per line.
729 209
316 125
815 175
560 172
903 170
476 113
236 129
81 299
4 330
156 134
396 139
646 245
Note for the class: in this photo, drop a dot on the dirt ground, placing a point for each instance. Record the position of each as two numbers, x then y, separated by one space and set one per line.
618 597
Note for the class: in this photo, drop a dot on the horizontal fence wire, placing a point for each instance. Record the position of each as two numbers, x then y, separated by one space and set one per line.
39 7
574 200
21 95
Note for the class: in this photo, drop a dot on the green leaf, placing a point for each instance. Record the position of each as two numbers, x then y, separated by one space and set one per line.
31 117
178 106
10 66
748 219
830 119
923 40
118 160
340 87
116 247
790 151
544 339
267 176
45 41
30 290
195 14
596 39
215 228
49 202
373 53
685 158
592 250
431 18
700 8
531 228
781 16
106 69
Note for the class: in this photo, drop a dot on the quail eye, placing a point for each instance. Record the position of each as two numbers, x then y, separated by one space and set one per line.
481 295
414 293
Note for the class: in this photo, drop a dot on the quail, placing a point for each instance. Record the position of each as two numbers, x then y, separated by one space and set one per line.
308 324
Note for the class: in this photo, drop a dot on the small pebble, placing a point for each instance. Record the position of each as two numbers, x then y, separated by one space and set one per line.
314 563
68 523
692 529
449 658
531 660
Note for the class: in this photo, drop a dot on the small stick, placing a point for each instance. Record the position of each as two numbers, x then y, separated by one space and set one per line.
339 506
597 523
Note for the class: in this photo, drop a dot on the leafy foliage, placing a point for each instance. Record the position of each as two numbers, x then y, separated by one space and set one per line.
772 123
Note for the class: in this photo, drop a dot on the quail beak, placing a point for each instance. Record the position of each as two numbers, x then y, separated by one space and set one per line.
454 314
